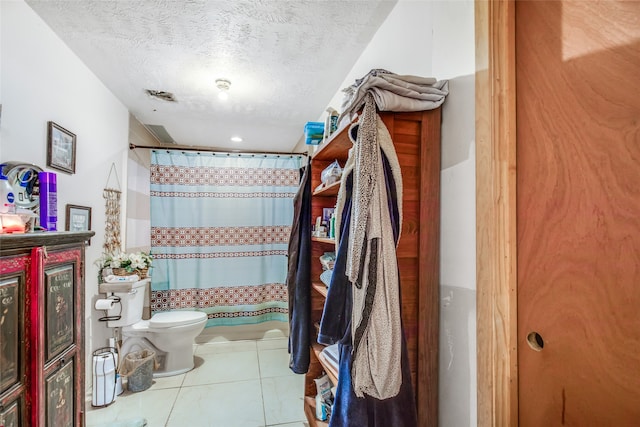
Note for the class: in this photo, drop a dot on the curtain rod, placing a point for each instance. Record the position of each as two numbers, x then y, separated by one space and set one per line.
134 146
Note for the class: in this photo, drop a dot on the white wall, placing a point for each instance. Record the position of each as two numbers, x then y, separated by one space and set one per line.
42 80
454 59
436 39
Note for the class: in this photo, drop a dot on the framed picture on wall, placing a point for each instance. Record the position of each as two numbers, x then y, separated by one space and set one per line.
78 218
61 148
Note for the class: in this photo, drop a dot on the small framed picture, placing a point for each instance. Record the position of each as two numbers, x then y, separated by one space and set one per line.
78 218
61 148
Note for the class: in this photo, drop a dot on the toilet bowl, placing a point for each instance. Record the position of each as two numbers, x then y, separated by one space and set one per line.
170 334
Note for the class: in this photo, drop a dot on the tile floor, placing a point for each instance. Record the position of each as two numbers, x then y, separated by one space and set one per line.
244 383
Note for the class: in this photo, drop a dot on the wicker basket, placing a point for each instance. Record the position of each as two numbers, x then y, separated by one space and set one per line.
123 272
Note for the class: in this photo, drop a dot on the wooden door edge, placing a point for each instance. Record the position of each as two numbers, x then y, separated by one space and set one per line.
496 305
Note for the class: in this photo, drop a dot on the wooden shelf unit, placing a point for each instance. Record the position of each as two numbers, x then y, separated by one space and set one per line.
416 137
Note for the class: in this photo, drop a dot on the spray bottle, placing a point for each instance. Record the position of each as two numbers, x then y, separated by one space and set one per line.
48 200
7 196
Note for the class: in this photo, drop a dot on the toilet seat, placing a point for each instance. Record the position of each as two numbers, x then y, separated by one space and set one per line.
168 319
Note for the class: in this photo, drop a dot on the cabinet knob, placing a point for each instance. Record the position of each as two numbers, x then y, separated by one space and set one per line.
62 362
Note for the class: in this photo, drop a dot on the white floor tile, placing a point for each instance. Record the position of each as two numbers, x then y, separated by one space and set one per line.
237 404
274 363
224 367
258 331
296 424
272 344
283 399
225 347
153 405
174 381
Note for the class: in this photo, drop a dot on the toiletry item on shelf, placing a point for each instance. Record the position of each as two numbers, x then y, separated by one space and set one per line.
331 173
328 259
313 132
111 278
332 226
323 386
334 121
325 277
323 397
7 196
321 409
48 200
330 124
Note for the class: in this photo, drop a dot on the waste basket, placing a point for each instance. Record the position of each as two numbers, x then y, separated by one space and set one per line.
138 367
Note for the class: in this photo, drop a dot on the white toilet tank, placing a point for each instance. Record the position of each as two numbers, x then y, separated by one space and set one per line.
130 307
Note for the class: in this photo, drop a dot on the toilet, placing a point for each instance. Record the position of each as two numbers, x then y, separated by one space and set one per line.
171 334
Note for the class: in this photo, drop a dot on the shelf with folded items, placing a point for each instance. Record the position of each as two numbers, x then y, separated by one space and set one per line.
416 139
328 368
327 240
329 190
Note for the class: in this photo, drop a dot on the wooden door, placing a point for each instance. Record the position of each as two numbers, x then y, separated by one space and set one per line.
578 212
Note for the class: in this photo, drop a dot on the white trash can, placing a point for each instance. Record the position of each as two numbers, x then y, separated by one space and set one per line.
104 377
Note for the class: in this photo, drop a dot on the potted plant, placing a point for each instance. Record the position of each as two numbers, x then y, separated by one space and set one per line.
126 264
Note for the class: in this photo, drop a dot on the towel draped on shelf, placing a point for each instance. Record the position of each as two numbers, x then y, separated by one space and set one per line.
394 92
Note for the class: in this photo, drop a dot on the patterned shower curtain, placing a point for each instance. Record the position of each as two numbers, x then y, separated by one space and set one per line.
220 225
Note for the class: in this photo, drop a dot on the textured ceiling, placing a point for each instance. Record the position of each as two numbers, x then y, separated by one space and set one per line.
285 60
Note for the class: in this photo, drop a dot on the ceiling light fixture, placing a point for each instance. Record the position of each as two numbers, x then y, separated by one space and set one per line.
236 139
223 86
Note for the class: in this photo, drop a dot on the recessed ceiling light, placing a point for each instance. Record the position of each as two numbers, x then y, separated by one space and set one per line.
223 86
236 139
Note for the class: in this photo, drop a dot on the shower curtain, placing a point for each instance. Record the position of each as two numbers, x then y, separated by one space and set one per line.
220 225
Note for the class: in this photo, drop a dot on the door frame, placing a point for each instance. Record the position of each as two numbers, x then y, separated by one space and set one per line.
496 238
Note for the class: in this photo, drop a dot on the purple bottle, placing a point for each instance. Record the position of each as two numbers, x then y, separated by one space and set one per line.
48 200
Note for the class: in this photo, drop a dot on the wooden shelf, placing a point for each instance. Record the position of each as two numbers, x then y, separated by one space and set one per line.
326 240
337 147
330 190
320 288
331 372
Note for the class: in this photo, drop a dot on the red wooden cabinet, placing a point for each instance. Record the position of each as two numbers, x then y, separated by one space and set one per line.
42 329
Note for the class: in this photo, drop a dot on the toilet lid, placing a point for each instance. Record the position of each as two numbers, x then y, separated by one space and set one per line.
168 319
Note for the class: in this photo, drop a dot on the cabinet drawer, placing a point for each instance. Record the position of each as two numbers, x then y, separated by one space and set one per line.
11 416
60 396
11 331
60 306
